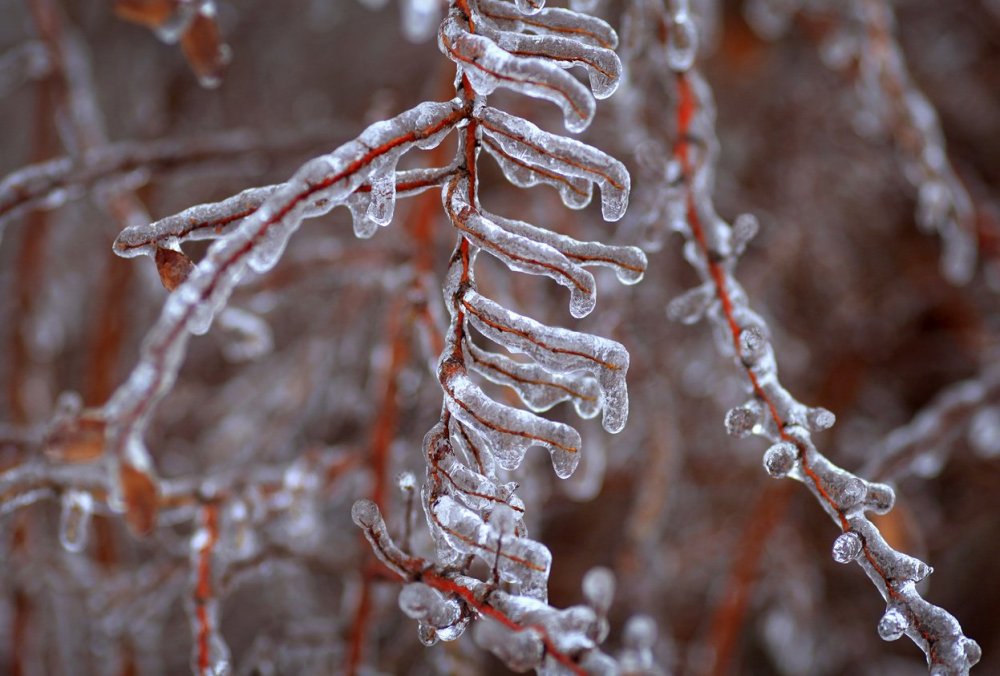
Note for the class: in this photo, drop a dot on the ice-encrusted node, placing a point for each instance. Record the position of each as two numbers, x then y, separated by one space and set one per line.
780 458
847 547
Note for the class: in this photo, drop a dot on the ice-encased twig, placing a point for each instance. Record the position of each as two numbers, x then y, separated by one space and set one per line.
926 441
774 413
257 243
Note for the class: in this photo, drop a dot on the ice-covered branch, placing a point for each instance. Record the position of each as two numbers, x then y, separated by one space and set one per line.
712 248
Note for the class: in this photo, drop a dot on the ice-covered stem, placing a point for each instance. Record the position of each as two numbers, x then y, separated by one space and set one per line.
866 45
524 632
971 405
211 655
772 412
50 183
257 243
472 514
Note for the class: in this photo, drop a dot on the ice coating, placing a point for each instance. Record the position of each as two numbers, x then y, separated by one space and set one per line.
522 254
603 67
628 262
525 142
574 191
480 491
515 559
483 62
204 221
257 243
555 21
558 350
539 388
510 431
74 520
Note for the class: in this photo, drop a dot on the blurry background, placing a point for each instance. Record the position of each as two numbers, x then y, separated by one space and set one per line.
735 567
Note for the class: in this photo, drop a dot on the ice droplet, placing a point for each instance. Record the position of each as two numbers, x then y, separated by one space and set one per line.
847 547
427 635
753 344
984 432
850 492
741 420
892 625
682 43
640 632
880 498
780 458
820 419
599 588
407 482
972 651
74 520
365 513
383 195
745 228
690 306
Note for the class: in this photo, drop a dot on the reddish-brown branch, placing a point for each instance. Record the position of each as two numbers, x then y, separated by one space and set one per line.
359 627
686 108
203 588
730 613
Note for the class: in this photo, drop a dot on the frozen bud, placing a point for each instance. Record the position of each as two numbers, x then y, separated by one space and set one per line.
428 605
933 201
520 650
745 228
879 498
640 632
847 547
596 663
741 420
753 344
850 492
673 172
984 432
599 589
893 624
972 651
407 482
819 419
690 306
68 404
780 458
682 43
427 635
365 513
74 520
